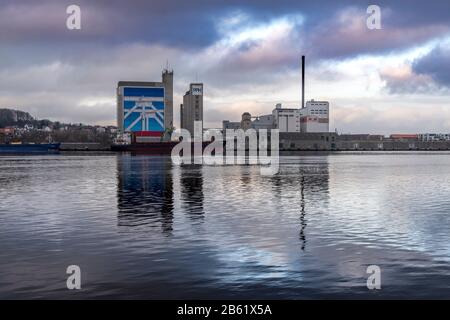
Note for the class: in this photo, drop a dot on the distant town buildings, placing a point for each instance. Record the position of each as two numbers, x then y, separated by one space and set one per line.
39 131
434 137
192 108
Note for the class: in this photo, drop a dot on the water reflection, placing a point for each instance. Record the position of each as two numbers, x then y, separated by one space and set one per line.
192 196
145 192
304 183
314 193
225 231
303 224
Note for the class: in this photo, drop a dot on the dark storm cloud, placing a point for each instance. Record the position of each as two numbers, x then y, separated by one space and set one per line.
180 23
191 24
427 74
435 64
346 35
415 13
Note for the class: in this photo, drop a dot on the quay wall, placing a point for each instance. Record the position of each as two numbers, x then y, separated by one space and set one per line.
335 142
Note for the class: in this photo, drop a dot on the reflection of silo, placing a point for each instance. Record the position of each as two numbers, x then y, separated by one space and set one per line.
246 122
145 192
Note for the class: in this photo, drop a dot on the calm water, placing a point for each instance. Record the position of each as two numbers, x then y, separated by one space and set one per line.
140 227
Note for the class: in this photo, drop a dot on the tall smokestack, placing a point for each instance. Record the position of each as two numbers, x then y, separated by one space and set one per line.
303 81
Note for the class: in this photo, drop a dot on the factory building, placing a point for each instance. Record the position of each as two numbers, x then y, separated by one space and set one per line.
145 108
286 119
263 122
310 118
315 117
192 108
233 125
249 122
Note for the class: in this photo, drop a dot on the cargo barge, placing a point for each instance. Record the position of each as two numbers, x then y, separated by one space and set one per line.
157 148
152 148
29 148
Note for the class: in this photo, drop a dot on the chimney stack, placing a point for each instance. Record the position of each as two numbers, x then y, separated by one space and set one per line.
303 82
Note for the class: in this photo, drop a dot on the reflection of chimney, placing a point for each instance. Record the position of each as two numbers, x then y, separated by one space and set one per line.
303 81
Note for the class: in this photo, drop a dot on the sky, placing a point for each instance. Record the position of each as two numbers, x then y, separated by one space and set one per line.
247 53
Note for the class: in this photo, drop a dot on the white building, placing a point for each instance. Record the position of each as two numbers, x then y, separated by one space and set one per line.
315 117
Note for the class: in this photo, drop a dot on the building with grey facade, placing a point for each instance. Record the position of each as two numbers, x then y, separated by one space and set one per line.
167 79
192 108
249 122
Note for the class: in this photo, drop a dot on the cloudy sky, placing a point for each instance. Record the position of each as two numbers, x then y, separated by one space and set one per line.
247 54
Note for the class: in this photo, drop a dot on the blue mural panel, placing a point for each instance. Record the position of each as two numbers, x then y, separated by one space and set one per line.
143 109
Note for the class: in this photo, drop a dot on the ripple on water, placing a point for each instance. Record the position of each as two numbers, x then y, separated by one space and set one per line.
142 227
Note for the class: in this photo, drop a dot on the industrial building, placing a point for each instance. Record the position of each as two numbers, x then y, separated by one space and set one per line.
314 117
246 122
263 122
192 108
310 118
233 125
286 119
249 122
145 108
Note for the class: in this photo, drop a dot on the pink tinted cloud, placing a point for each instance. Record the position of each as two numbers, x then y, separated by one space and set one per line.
402 79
